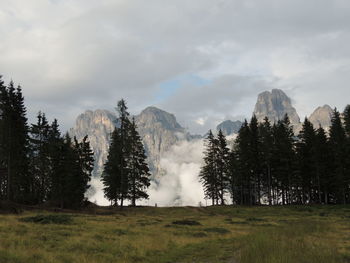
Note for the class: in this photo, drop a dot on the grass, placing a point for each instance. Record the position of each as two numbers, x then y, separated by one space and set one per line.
183 234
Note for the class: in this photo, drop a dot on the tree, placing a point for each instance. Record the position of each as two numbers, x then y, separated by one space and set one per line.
85 157
139 179
266 147
283 159
40 169
14 144
222 162
244 172
323 159
126 174
306 166
208 172
337 140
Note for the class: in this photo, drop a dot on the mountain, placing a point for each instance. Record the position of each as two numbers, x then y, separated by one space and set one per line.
229 127
322 116
158 129
275 105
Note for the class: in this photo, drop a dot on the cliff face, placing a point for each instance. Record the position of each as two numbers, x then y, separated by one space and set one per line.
275 105
322 116
98 125
229 127
158 129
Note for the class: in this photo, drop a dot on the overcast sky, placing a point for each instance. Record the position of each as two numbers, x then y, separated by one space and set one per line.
203 60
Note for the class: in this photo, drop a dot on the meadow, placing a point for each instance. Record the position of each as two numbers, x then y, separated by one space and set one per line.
179 234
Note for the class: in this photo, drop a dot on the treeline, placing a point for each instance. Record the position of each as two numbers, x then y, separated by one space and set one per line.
269 164
126 175
37 164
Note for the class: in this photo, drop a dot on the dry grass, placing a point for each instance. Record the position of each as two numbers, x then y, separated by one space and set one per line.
225 234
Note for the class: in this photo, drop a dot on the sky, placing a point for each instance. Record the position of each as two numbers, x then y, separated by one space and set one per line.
203 60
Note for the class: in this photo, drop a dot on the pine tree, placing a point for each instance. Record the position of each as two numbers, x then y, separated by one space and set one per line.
283 160
244 171
55 143
40 169
222 162
337 141
85 157
323 159
266 146
14 144
255 159
208 173
307 172
139 179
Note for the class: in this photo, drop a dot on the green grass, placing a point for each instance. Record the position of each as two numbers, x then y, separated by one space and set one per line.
184 234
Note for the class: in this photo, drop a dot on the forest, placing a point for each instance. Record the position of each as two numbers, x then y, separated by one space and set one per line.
268 164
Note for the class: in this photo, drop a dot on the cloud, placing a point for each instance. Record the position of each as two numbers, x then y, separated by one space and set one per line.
79 55
180 183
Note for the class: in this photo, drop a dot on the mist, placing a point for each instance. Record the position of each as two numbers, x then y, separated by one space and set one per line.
179 183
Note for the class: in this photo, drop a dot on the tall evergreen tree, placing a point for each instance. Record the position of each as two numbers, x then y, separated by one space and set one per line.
14 143
208 173
283 161
40 169
337 141
126 173
323 159
266 147
306 165
244 180
139 179
222 163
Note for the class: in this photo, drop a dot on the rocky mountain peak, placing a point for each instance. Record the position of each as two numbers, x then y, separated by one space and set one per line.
152 115
275 105
322 116
98 125
229 127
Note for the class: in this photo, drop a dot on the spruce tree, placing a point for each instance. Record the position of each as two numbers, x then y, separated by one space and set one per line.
208 172
222 163
40 169
14 144
266 148
337 139
139 179
283 159
323 160
306 166
244 181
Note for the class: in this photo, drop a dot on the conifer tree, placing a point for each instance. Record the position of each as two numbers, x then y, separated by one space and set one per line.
222 162
40 169
14 144
337 139
283 160
208 173
126 173
323 159
306 166
266 148
139 179
244 173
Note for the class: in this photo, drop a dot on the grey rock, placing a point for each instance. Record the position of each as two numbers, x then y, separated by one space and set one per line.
229 127
98 125
275 105
322 117
158 129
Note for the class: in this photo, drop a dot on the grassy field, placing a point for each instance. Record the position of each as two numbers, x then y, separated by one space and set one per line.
214 234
